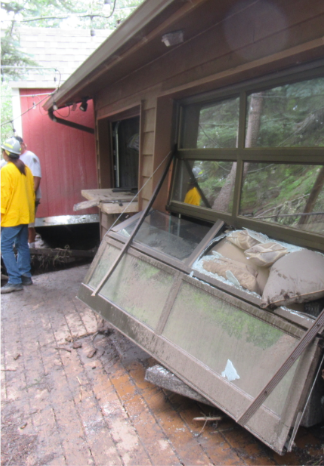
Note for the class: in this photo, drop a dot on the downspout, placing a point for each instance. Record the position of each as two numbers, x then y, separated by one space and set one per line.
71 124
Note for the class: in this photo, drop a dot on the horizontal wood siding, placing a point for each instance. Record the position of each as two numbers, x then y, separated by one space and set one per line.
239 41
244 36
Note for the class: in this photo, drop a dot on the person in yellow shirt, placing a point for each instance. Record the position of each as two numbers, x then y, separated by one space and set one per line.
192 197
17 211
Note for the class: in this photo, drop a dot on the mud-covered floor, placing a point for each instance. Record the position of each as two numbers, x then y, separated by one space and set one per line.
64 405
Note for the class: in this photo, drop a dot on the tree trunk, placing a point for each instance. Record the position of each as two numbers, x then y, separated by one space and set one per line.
317 188
223 199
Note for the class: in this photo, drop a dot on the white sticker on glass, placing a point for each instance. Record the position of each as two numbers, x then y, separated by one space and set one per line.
230 372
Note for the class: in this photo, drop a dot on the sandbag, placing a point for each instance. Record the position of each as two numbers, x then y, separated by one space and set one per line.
244 239
230 251
265 254
233 270
297 277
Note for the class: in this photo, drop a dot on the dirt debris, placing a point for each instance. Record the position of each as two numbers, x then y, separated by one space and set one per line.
76 345
76 415
91 353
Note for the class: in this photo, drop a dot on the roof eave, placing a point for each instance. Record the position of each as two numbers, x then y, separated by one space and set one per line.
108 51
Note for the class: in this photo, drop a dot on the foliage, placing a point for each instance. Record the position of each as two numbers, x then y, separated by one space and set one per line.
286 189
13 57
6 111
13 11
107 14
218 125
291 115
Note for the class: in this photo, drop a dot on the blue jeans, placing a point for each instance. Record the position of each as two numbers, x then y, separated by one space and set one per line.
17 236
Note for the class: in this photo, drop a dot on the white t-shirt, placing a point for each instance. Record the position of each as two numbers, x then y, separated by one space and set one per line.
32 161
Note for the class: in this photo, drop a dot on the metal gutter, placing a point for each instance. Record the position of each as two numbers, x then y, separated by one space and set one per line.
71 124
108 51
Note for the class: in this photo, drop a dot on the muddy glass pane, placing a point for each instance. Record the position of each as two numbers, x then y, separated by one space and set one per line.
291 195
135 285
168 234
206 184
108 257
290 115
231 343
212 126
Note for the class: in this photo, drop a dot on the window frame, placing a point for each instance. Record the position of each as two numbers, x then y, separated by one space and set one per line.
241 154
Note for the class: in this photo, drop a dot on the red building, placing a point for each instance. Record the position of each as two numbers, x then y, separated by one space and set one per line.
67 154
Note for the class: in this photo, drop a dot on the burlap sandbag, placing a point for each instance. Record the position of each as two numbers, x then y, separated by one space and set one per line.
224 267
297 277
242 239
230 251
265 254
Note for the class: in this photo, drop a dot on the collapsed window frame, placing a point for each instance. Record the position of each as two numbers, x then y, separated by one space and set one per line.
279 155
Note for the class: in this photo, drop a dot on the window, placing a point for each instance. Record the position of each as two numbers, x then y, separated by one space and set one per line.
255 159
202 183
291 115
126 152
211 126
288 196
184 288
167 234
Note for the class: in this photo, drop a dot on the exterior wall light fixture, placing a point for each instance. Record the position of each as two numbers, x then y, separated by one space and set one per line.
83 107
172 38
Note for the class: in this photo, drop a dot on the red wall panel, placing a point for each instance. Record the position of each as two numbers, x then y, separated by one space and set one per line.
67 155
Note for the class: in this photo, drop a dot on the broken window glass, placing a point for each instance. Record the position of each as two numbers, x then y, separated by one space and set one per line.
174 236
214 320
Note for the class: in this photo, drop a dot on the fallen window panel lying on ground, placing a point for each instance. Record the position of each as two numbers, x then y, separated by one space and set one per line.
213 335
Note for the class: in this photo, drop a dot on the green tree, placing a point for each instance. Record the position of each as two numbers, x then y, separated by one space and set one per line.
6 111
94 14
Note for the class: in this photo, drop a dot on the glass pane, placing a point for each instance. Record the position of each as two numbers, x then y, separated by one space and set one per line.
206 183
168 234
291 195
287 116
211 126
135 285
108 257
231 342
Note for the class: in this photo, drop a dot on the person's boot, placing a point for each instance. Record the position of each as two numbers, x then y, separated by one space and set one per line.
10 287
26 281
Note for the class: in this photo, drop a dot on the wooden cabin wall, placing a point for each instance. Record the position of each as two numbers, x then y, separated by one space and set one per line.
250 42
103 149
148 116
